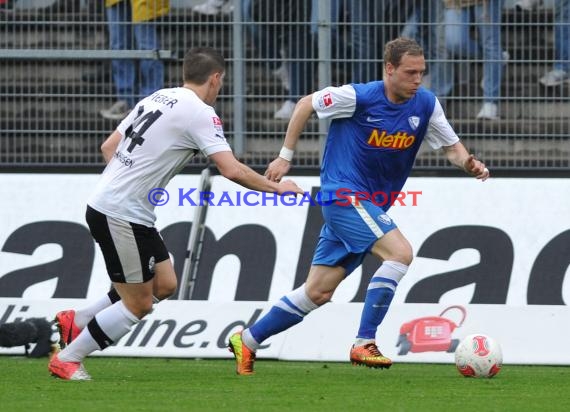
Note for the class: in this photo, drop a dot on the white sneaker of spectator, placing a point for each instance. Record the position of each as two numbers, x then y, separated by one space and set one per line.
527 5
286 111
488 111
213 7
118 111
554 78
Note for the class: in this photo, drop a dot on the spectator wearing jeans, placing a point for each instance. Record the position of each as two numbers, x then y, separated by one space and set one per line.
486 15
287 24
131 26
425 24
374 22
560 72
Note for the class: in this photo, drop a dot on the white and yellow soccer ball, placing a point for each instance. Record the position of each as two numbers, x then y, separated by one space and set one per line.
478 356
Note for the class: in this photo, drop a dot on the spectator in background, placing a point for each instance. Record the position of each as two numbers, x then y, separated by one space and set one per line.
340 53
527 5
266 40
560 72
131 27
287 24
214 7
6 5
374 22
269 36
426 26
486 16
298 72
268 44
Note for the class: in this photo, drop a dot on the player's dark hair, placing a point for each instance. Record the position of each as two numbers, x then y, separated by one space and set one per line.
200 63
395 49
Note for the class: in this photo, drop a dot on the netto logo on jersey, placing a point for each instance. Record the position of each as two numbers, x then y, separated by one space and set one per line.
400 140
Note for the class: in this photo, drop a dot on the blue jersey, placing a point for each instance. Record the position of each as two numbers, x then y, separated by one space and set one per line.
372 143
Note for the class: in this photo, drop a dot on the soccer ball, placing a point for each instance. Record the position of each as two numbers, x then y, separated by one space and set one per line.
478 356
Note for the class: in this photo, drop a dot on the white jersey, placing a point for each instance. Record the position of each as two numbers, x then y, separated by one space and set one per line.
160 135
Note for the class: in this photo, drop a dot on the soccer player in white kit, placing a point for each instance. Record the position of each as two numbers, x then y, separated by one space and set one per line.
151 145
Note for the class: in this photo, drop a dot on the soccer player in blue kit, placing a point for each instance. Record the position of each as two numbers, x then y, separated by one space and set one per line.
375 133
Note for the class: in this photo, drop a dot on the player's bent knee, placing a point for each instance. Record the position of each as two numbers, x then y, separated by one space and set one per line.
406 259
165 282
404 256
164 291
144 310
319 298
139 307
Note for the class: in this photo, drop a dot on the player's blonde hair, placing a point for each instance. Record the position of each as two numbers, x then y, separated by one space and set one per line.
395 49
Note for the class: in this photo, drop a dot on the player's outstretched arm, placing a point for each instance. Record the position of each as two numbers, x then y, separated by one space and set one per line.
458 155
281 165
234 170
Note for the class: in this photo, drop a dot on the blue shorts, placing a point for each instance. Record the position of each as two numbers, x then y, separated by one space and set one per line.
349 233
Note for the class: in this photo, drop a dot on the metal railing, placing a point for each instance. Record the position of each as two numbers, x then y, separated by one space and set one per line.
56 76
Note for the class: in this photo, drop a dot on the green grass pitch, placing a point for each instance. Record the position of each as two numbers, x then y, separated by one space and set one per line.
151 384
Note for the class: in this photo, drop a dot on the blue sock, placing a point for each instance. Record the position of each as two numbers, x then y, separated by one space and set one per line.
378 297
375 308
288 311
277 320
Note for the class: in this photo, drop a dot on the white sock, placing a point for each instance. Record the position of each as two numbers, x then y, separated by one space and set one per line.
300 299
107 327
362 341
83 316
249 340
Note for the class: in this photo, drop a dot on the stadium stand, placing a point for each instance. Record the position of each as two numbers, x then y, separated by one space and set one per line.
55 77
